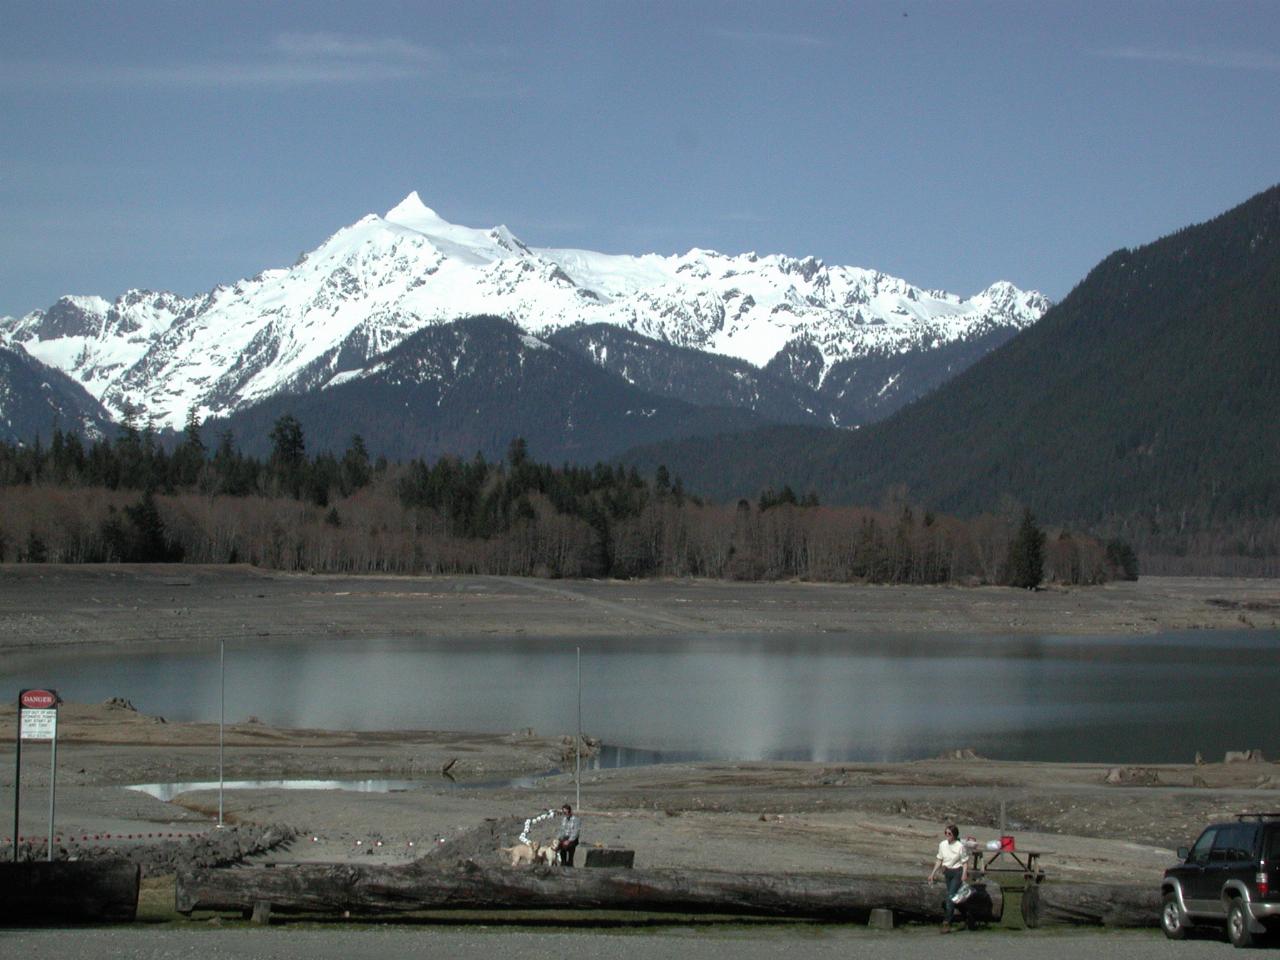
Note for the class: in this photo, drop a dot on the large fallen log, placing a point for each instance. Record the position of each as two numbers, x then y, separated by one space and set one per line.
1092 904
355 889
69 891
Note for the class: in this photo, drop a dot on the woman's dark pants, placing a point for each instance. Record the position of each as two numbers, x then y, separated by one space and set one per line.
954 878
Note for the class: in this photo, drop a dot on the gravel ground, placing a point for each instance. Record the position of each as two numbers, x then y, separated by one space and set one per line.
879 819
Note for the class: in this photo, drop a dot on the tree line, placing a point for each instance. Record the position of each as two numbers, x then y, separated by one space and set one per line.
130 499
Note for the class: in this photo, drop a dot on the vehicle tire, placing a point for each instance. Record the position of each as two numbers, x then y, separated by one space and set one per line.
1238 924
1172 922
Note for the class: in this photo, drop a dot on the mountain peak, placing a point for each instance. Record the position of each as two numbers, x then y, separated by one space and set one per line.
412 212
378 281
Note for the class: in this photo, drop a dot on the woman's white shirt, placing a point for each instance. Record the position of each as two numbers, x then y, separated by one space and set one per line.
952 854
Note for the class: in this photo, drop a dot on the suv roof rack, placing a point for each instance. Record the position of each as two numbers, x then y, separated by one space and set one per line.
1258 816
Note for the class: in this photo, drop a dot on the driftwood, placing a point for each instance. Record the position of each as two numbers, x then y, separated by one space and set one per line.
339 889
1092 904
69 891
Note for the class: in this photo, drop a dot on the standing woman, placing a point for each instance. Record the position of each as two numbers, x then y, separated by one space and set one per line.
953 861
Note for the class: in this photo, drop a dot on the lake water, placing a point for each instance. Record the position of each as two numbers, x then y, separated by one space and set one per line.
1125 699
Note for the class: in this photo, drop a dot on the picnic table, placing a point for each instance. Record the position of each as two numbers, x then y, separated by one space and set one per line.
1025 862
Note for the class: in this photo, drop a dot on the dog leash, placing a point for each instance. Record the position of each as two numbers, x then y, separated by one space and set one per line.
524 834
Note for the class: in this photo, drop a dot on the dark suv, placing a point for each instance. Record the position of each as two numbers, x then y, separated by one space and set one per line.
1231 876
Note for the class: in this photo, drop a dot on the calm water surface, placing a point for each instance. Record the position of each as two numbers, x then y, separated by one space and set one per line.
1115 699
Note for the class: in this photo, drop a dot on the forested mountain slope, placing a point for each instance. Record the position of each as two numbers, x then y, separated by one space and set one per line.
35 398
1152 391
471 387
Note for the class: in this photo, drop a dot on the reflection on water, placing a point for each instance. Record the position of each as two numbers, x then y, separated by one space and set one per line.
1114 699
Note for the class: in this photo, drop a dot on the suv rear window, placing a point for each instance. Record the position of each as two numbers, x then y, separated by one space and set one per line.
1272 850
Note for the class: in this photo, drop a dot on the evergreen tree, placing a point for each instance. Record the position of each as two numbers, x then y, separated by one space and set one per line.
130 471
1026 554
146 540
356 472
517 452
188 458
288 446
35 551
661 481
288 455
1122 560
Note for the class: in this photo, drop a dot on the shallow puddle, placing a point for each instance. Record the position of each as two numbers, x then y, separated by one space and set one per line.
167 791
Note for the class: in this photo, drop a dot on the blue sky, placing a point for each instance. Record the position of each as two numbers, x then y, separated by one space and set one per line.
179 145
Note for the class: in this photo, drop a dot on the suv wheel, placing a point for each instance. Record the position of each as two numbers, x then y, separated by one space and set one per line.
1171 920
1238 924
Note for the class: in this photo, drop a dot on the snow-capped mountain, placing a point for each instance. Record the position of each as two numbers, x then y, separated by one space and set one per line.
378 281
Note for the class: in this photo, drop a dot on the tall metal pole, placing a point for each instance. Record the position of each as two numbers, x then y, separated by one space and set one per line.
53 785
17 777
222 718
577 749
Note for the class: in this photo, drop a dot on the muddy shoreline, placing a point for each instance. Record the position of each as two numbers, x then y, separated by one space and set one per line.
45 605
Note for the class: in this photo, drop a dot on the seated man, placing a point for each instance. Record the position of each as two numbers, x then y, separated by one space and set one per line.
567 838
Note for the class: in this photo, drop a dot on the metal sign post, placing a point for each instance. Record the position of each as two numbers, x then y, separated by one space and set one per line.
222 722
17 778
37 720
577 749
53 788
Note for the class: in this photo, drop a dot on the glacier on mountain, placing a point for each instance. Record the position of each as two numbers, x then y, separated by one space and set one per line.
379 280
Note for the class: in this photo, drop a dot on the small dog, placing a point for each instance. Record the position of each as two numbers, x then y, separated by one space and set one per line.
531 853
548 854
521 853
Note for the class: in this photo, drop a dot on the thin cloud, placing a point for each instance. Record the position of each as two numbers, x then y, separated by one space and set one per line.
330 46
1221 59
290 59
769 38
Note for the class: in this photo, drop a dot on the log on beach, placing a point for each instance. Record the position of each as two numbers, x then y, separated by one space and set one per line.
69 891
363 890
1092 904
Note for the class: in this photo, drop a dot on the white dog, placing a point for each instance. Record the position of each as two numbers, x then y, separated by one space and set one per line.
520 853
547 853
531 853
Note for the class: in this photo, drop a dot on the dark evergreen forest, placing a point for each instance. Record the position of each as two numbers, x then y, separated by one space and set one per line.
131 499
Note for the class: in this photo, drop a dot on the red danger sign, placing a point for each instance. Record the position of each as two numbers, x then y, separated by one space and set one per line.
38 699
